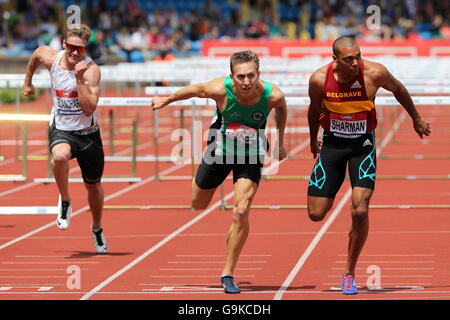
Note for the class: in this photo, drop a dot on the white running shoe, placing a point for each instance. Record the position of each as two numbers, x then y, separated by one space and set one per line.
63 219
99 241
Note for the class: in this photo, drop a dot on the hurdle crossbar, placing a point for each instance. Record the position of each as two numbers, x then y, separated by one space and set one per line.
373 206
275 206
145 207
414 156
388 156
104 179
29 210
294 101
303 90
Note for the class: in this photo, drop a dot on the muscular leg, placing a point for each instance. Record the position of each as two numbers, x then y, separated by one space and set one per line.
60 166
360 226
201 197
245 190
95 198
318 207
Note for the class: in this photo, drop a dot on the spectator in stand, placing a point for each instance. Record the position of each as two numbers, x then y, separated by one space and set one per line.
183 30
132 45
140 44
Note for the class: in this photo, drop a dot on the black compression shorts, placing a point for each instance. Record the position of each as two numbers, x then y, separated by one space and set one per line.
211 175
330 168
86 146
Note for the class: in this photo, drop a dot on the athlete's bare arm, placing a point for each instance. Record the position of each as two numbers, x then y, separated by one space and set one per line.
277 101
376 75
213 89
42 55
88 86
315 91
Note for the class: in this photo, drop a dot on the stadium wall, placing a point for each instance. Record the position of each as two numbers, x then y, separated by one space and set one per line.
297 49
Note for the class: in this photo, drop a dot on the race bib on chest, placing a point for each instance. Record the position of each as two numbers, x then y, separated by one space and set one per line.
241 133
67 102
348 124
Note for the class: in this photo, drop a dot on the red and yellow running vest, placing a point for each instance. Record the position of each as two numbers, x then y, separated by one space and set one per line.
347 112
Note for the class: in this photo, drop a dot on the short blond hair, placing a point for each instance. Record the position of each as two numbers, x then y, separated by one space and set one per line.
83 32
243 57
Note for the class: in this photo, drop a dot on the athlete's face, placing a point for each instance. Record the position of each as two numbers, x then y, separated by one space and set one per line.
75 48
245 77
348 60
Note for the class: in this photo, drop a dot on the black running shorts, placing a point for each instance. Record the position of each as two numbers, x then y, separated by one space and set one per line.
329 170
210 174
86 146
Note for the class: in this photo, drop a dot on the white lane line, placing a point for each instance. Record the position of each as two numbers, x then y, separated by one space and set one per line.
389 268
32 285
33 269
221 255
177 232
386 276
283 288
31 277
50 262
390 255
112 196
311 247
177 284
155 247
200 276
389 261
204 269
203 262
331 293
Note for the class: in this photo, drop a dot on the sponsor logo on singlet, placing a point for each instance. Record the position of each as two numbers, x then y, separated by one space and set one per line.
351 94
257 115
67 102
348 124
241 133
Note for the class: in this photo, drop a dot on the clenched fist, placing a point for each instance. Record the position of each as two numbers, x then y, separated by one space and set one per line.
80 69
27 89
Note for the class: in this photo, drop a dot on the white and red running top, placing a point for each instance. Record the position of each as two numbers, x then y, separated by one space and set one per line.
66 112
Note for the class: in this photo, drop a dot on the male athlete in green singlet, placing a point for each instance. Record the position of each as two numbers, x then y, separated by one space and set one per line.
236 143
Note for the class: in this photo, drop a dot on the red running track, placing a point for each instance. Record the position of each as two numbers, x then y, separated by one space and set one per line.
179 254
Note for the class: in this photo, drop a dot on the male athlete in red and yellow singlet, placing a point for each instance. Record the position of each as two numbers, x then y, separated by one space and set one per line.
342 102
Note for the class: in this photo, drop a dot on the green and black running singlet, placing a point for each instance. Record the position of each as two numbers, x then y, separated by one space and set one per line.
239 129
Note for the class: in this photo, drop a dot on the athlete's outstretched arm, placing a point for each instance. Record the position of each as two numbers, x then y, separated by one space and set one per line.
390 83
213 89
315 92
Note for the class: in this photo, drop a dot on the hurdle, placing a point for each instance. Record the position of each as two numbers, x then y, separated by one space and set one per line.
24 118
29 210
392 157
10 210
130 179
137 102
373 206
145 207
225 206
114 101
24 157
378 177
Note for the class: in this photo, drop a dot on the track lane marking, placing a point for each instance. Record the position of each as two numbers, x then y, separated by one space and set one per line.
177 232
293 274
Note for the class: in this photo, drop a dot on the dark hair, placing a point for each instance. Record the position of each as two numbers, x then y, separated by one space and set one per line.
243 57
347 41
